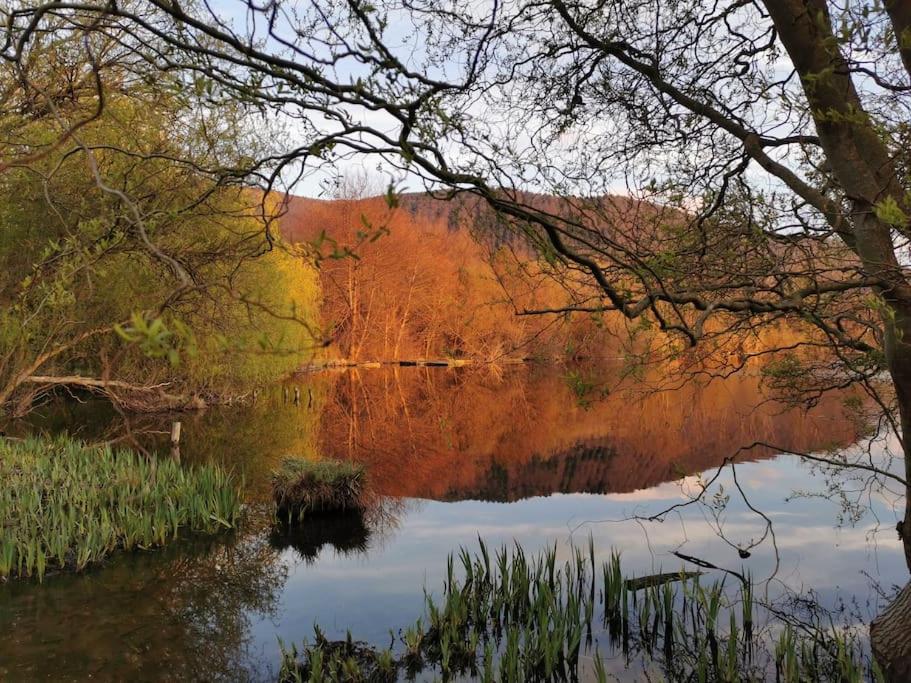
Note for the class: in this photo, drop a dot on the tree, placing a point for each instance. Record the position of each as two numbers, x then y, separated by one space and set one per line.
134 265
763 144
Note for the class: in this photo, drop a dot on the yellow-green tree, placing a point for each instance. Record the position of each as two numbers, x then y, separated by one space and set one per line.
136 263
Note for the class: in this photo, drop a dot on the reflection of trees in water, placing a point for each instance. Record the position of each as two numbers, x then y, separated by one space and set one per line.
183 613
582 469
450 434
346 532
444 434
216 596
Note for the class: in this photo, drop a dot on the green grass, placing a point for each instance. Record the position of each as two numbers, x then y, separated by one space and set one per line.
301 487
68 505
509 617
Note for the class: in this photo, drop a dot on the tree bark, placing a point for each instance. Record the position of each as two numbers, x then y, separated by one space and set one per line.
890 632
890 638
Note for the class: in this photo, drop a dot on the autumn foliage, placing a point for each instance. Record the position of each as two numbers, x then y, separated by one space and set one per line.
432 279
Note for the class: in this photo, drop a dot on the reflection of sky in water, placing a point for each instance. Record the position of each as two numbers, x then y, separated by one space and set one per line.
381 590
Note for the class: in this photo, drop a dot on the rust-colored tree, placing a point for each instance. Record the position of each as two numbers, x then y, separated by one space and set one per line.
425 288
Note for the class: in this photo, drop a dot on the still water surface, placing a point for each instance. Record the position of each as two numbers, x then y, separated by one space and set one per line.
519 456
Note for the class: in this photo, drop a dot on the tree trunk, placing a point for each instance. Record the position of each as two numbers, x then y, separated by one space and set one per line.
864 168
890 632
890 638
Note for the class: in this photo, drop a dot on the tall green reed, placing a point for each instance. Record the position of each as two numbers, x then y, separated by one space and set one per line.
68 505
511 617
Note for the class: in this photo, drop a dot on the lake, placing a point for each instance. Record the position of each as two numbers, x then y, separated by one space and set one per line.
531 455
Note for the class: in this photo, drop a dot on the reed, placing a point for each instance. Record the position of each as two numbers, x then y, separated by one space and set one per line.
344 660
515 618
301 487
68 505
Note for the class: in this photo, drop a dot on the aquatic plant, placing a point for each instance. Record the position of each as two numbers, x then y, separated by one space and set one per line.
67 505
510 618
301 487
343 660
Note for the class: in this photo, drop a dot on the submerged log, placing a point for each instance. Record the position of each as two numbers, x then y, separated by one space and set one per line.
659 579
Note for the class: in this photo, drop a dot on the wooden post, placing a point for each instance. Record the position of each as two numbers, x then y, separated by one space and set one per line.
284 394
297 396
175 441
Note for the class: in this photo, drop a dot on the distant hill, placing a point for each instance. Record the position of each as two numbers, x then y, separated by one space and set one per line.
435 278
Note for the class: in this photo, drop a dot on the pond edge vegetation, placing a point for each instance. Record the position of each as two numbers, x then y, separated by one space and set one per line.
302 487
512 618
68 505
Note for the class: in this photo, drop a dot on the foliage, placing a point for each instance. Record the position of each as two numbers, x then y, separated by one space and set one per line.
132 252
443 283
67 505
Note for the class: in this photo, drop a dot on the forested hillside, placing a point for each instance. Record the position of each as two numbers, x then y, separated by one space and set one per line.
415 277
426 278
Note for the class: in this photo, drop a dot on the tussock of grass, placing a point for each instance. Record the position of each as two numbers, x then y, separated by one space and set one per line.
67 505
301 487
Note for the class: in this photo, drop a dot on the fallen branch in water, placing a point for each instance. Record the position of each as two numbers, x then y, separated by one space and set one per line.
91 382
705 564
135 397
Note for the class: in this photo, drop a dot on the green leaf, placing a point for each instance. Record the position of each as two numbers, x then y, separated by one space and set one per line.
888 211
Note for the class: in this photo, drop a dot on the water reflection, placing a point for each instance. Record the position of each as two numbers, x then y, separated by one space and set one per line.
450 435
346 532
182 613
440 446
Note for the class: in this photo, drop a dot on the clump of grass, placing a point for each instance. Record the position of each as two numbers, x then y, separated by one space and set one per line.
68 505
301 487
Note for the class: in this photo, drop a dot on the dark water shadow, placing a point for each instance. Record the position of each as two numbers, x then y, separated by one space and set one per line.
345 532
